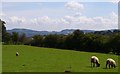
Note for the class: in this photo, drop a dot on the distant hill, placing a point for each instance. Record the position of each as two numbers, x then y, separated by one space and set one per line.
30 33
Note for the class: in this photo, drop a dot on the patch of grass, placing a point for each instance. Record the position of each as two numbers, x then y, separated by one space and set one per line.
38 59
0 65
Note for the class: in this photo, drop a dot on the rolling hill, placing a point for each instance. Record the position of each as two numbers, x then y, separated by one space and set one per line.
30 33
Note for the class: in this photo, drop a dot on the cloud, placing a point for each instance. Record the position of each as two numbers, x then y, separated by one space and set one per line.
66 22
16 19
78 14
114 1
73 19
97 23
15 22
2 14
70 19
74 5
113 15
47 23
84 22
45 20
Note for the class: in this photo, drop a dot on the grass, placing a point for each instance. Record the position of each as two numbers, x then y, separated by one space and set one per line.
38 59
0 58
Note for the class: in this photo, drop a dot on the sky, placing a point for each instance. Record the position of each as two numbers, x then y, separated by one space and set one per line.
57 16
115 1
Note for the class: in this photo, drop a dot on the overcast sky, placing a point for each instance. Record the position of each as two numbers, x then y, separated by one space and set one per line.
56 16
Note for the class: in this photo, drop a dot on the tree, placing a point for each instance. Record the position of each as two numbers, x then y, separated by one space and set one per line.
78 40
37 40
75 41
77 32
69 42
7 38
22 38
61 41
15 37
51 40
114 43
3 30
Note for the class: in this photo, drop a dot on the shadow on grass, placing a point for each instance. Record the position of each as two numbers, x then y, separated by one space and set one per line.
105 68
96 67
108 68
89 67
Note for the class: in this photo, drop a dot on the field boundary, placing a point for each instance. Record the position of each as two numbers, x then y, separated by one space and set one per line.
60 73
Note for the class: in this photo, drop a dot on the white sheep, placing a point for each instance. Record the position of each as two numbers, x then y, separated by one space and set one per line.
17 54
95 60
111 63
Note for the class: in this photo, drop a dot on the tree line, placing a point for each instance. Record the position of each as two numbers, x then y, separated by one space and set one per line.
98 41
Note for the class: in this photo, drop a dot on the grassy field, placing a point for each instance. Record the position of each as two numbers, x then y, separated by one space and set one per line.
0 58
37 59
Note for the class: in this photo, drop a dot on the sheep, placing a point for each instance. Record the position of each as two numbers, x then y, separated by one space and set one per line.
111 63
17 54
95 60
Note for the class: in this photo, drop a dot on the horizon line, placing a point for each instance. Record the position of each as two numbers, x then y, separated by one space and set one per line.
66 29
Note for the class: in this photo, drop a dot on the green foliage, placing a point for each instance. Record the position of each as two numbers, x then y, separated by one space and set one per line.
75 41
51 40
7 38
2 29
37 40
22 38
81 42
99 41
15 37
114 43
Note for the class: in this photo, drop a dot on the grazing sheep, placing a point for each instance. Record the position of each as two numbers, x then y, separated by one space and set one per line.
17 54
111 63
95 60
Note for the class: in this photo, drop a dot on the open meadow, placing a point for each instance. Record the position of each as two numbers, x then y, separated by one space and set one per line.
39 59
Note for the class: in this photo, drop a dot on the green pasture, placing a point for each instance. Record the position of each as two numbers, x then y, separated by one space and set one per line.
38 59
